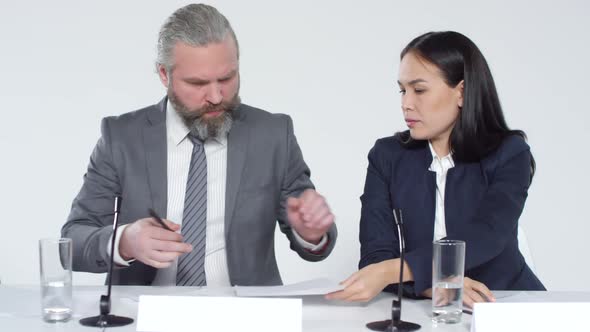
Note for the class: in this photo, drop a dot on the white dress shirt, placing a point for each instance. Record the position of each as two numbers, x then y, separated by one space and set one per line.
179 155
440 165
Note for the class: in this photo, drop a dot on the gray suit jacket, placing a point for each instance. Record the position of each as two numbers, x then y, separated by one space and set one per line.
264 168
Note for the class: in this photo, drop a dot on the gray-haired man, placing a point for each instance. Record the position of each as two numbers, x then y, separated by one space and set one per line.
223 173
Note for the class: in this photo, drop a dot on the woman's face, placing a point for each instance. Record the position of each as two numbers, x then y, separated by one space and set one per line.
429 105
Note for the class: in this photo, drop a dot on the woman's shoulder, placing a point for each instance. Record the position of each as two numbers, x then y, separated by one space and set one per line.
397 145
510 147
386 145
393 152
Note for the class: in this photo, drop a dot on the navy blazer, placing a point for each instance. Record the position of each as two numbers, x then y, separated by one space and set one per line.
483 201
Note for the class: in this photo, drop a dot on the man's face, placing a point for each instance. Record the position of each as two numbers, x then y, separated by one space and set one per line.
203 85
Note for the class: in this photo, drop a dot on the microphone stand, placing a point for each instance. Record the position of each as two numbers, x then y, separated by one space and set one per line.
105 319
395 324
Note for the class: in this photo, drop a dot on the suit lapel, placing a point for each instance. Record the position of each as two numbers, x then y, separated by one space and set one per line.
428 196
456 197
237 144
154 138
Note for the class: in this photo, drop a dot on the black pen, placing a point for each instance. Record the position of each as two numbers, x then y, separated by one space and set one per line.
154 215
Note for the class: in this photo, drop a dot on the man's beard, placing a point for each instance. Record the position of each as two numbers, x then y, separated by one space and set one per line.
204 128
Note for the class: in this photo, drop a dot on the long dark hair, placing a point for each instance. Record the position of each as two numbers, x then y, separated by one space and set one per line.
480 127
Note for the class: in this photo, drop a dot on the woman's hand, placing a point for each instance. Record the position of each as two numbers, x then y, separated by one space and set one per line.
473 292
365 284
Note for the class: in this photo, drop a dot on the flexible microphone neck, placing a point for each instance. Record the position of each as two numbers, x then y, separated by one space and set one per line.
396 309
117 209
105 319
396 324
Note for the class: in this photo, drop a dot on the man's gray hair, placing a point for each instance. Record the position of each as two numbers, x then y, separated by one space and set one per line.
195 25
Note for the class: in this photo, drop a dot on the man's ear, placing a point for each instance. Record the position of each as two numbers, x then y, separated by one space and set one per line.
163 74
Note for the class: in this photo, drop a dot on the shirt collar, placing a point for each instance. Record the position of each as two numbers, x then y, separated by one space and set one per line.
448 158
177 129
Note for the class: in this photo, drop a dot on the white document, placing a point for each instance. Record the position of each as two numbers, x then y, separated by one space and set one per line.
192 313
507 296
310 287
528 316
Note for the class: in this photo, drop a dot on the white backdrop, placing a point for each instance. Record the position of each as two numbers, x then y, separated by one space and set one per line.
332 65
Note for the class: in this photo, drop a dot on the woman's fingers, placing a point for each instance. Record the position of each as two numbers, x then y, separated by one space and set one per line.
467 300
475 291
483 290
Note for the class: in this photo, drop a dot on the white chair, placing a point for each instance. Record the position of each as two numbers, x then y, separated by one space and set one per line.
523 246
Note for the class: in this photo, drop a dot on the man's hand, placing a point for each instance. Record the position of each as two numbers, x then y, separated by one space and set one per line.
146 241
309 215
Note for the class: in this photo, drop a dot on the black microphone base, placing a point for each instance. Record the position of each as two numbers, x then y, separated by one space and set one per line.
106 321
386 326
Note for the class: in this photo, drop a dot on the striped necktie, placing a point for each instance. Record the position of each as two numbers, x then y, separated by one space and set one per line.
191 266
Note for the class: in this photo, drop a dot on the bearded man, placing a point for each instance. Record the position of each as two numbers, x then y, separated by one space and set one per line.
220 172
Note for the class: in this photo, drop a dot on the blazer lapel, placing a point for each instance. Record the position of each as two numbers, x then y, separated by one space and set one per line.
237 144
428 196
154 138
457 196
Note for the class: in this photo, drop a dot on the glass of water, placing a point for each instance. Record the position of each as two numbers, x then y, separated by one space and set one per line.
55 264
447 280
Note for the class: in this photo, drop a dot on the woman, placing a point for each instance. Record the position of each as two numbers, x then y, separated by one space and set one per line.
459 172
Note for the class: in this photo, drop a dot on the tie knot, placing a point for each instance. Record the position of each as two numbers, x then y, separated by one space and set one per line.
197 142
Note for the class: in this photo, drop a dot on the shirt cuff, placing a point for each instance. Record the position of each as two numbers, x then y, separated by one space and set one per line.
117 258
310 246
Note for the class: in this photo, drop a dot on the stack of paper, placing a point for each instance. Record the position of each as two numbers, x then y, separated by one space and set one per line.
310 287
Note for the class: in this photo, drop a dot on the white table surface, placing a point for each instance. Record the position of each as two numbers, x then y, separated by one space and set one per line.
20 308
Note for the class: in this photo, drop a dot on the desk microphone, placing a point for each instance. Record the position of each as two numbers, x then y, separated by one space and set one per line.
105 319
395 324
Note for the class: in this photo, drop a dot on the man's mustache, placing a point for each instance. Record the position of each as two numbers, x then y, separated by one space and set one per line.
213 110
208 109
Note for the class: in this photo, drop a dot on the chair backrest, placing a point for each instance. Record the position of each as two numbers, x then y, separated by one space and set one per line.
523 246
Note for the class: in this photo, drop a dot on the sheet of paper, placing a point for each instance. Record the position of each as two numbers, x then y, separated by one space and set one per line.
310 287
539 296
194 313
506 296
528 316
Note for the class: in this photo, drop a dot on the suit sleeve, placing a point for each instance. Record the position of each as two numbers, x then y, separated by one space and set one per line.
488 231
296 180
89 223
379 241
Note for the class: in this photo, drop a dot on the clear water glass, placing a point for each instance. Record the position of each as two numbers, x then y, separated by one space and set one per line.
447 280
55 264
